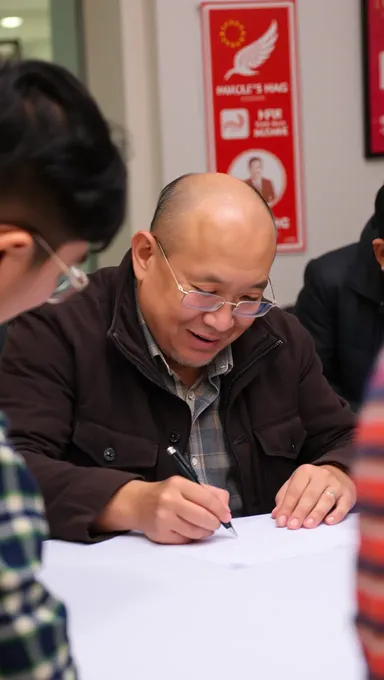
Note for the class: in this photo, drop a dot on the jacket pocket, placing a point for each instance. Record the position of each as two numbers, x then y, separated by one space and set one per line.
284 439
279 446
119 450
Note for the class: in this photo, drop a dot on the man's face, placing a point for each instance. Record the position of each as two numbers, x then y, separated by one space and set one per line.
205 263
255 169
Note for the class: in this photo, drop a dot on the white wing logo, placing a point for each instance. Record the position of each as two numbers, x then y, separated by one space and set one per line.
250 57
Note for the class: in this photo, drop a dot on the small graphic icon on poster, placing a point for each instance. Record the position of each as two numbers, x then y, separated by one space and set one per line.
249 58
234 124
263 171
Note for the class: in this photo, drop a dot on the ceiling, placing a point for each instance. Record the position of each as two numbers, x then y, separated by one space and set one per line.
14 7
35 32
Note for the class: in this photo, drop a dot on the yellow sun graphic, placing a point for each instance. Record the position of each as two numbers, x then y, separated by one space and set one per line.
232 33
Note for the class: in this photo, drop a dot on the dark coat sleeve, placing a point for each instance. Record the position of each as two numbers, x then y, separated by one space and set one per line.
38 395
327 419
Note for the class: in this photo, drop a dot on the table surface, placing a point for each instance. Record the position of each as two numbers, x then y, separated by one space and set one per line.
272 604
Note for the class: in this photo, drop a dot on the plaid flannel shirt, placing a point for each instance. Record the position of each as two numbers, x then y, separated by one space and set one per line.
369 476
207 451
33 640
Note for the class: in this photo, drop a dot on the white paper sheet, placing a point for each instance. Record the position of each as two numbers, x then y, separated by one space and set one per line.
259 541
288 613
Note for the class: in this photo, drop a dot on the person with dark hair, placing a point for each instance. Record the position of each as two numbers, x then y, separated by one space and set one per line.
342 306
62 188
257 180
184 346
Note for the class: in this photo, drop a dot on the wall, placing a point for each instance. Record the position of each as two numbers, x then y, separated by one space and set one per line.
340 184
156 95
141 108
67 35
103 38
120 55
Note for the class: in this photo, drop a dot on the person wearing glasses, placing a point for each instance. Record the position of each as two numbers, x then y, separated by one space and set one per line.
182 345
62 187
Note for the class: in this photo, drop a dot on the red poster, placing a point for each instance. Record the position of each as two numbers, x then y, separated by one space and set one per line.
252 104
374 76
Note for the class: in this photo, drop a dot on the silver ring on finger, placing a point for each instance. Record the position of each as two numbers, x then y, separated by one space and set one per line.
331 494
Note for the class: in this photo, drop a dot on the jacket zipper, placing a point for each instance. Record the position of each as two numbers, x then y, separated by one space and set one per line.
263 354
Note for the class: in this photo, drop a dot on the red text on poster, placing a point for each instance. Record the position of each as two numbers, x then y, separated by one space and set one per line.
252 104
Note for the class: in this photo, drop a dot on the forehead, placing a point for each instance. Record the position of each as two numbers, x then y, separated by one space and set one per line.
226 228
225 262
223 270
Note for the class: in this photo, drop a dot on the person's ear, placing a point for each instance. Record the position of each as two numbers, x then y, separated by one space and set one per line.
143 250
378 248
17 245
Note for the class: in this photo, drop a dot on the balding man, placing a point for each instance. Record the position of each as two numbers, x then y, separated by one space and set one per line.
181 345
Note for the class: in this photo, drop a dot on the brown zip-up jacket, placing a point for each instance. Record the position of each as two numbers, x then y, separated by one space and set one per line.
89 412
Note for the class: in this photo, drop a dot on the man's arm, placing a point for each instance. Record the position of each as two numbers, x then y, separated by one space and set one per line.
314 309
87 503
33 638
39 398
369 476
327 419
320 489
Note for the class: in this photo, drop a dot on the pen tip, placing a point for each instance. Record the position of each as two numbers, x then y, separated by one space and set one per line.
233 530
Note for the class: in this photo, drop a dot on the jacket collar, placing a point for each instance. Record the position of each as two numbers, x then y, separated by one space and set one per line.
365 276
127 333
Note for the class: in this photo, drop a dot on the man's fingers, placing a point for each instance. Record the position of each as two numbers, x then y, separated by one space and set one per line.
189 531
314 494
222 494
326 502
295 489
341 510
173 538
312 503
207 498
196 515
279 497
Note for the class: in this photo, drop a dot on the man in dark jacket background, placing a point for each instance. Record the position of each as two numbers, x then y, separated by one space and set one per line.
175 347
342 306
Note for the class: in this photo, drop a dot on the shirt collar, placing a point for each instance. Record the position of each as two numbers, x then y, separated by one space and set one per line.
221 364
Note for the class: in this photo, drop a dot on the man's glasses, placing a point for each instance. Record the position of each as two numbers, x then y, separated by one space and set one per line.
73 279
210 302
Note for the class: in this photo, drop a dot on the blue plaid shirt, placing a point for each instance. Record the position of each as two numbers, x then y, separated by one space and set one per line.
33 639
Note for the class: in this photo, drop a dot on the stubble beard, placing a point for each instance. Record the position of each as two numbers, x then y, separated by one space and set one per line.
191 364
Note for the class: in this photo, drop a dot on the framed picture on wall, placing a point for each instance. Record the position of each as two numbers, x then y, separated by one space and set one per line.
10 49
373 73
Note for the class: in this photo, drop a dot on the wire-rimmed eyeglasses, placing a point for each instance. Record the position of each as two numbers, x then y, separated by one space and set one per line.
73 279
210 302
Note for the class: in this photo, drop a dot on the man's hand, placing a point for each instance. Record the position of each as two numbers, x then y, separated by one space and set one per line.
312 495
173 511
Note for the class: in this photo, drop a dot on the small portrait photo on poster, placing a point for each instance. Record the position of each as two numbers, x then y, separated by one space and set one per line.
263 171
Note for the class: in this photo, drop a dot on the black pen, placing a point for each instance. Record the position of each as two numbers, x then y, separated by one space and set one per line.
188 472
